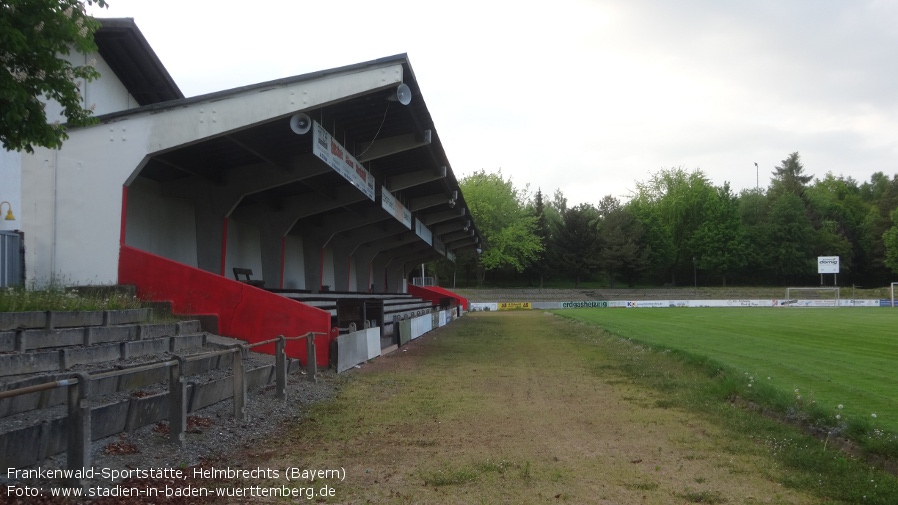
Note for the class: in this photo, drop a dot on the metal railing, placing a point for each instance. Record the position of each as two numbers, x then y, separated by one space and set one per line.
79 412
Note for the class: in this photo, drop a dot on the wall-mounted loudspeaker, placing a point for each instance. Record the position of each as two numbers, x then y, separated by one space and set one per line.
403 94
300 123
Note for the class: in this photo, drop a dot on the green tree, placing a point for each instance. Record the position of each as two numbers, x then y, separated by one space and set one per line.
838 211
540 265
623 250
675 200
35 35
890 241
507 229
576 243
720 244
881 194
789 255
789 177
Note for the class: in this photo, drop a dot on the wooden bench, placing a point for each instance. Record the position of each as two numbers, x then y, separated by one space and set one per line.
247 274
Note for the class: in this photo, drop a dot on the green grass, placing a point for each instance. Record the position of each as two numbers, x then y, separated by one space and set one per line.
801 362
55 297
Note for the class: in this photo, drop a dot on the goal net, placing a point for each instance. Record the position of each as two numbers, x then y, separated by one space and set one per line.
812 297
892 292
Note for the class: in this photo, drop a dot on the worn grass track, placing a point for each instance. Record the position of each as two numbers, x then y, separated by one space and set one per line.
526 408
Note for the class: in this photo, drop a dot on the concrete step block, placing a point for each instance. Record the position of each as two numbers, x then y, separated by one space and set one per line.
192 326
145 347
181 342
89 355
43 339
7 341
103 334
205 364
153 330
32 362
127 382
107 420
74 318
128 316
11 321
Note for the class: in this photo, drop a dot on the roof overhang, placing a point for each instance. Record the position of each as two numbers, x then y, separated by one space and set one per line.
266 167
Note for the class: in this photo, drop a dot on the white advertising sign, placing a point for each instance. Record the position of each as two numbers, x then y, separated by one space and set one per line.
423 232
827 264
335 155
395 207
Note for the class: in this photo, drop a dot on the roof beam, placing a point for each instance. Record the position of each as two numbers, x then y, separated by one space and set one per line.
400 182
439 217
425 202
391 145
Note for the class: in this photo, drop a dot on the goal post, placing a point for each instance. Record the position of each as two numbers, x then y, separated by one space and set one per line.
813 297
892 292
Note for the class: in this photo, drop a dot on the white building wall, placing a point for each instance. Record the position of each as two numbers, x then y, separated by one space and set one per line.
294 270
160 225
37 209
106 94
11 188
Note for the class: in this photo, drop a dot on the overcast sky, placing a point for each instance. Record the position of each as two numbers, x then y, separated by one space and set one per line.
585 96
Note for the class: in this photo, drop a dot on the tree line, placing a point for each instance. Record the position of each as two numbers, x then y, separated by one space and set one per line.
678 228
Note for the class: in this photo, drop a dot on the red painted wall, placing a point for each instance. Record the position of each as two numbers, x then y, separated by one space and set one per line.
244 312
434 293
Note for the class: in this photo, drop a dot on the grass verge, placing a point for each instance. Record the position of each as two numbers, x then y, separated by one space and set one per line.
57 297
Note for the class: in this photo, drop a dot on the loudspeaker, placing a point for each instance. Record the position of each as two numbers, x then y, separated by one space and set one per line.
403 94
300 123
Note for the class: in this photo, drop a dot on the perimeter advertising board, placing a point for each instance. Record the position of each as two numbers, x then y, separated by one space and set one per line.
515 306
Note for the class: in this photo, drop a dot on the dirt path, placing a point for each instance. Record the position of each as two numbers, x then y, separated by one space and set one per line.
508 408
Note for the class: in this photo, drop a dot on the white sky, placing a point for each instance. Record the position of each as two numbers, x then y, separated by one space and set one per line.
585 96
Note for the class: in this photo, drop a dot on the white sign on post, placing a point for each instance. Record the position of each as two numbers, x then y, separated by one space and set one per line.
827 264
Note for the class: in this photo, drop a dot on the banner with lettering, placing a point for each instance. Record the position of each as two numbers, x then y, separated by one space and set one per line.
337 157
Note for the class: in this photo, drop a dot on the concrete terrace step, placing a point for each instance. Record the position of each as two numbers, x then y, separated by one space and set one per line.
26 352
51 319
33 426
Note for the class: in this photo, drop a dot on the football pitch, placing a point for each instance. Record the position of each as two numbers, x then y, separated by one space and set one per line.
831 356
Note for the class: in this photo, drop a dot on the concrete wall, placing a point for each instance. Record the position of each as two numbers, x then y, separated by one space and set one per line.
11 188
160 225
327 269
106 94
294 273
434 293
244 312
245 251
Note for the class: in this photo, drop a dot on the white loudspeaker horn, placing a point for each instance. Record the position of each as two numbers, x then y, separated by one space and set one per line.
300 123
403 94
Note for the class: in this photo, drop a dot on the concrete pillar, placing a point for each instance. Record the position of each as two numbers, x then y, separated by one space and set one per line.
311 252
